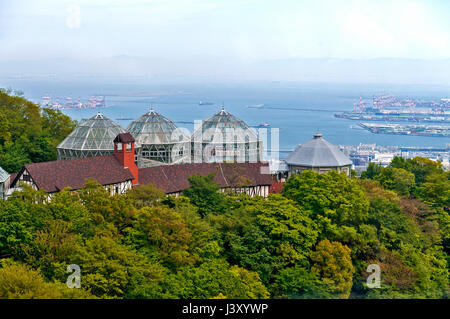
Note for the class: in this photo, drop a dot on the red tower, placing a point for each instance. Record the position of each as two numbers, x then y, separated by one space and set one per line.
124 151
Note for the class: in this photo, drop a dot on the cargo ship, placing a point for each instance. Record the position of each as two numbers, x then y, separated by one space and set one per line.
205 103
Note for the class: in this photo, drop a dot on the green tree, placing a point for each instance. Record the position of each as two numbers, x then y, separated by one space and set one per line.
162 234
397 179
27 133
20 282
204 193
110 269
216 277
332 263
332 198
145 195
436 190
372 171
288 225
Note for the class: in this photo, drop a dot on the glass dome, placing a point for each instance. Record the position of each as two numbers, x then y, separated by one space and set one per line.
92 137
153 128
3 175
224 127
160 140
224 137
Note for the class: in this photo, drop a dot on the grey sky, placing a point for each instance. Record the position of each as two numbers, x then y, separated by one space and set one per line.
230 39
235 29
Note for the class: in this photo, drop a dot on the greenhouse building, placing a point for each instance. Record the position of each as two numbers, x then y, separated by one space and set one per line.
225 138
4 183
160 140
92 137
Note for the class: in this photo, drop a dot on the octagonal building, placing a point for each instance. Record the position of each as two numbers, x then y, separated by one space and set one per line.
92 137
318 155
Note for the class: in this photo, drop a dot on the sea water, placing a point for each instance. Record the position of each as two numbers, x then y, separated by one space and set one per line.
281 103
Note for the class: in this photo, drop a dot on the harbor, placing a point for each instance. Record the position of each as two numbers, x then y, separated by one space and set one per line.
421 116
90 103
392 109
399 129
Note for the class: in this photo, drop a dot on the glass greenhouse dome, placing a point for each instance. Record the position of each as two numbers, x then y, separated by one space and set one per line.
92 137
160 140
224 137
4 183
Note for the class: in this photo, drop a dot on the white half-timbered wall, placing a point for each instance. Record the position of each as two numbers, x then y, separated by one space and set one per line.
259 190
118 188
26 178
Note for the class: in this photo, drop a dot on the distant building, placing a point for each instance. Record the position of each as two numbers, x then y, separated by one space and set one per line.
318 155
225 138
4 183
246 178
160 140
92 137
119 173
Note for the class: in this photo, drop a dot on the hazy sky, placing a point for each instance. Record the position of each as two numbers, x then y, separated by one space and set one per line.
230 29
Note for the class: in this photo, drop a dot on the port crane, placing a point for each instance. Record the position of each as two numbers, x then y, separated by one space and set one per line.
360 107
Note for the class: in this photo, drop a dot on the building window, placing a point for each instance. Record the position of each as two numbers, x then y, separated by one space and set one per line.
117 189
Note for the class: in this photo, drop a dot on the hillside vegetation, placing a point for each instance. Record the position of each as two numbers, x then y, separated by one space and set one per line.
314 240
27 134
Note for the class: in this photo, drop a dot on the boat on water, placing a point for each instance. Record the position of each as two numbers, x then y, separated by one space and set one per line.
205 103
256 106
264 124
56 105
68 104
46 99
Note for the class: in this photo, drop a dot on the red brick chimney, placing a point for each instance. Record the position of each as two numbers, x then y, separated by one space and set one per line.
124 151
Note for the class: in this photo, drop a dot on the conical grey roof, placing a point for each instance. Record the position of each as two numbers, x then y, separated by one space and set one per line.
3 175
154 128
222 124
318 153
96 133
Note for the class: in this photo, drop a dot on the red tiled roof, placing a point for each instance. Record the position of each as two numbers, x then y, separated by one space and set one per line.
124 138
174 178
12 177
54 176
276 187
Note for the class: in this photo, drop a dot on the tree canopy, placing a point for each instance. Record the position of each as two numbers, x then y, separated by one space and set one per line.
28 134
314 240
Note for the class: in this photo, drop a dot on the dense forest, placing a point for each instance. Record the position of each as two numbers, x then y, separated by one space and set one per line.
28 135
314 240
